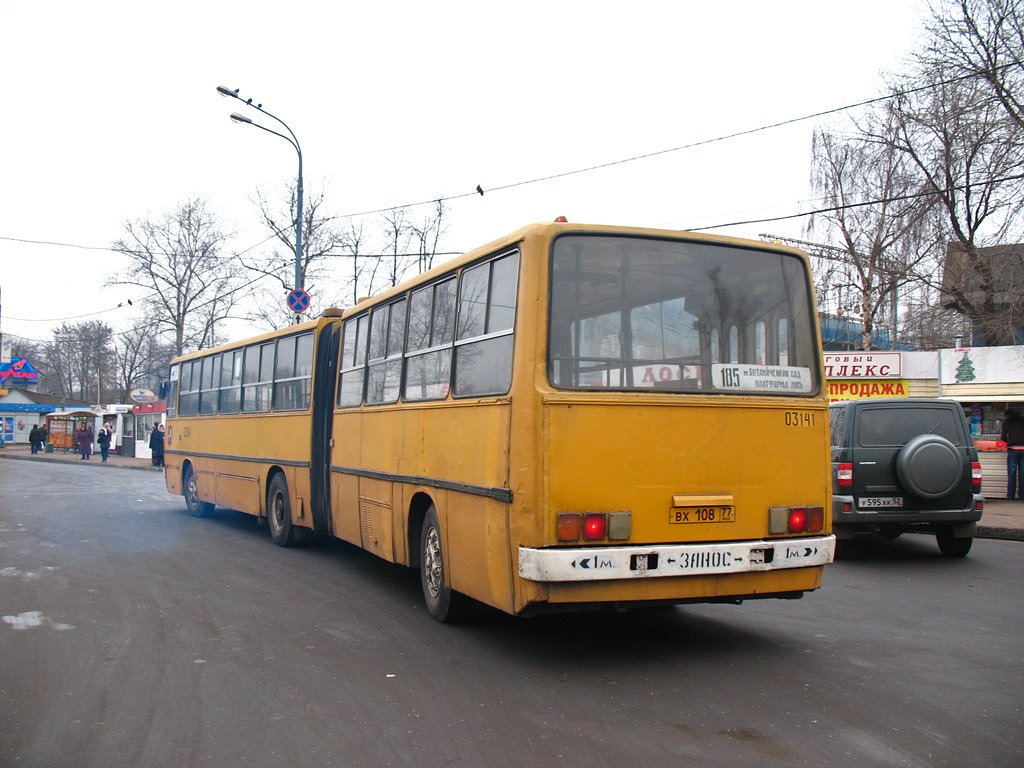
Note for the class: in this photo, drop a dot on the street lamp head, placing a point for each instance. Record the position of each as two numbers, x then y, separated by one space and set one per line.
224 91
240 118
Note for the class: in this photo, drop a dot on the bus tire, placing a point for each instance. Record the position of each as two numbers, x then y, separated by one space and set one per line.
190 490
442 602
279 512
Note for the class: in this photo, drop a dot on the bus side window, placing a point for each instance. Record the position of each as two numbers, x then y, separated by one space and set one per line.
293 373
428 363
209 385
384 366
257 377
353 360
487 308
231 382
188 401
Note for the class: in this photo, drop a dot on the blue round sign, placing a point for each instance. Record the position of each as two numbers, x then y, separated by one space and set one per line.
298 301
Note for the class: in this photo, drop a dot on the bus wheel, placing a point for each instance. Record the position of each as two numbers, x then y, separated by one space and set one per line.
279 512
442 603
196 508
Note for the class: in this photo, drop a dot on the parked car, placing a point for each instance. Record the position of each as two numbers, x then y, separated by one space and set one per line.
905 465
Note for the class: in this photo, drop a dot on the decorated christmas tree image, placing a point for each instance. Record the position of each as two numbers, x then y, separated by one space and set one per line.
965 368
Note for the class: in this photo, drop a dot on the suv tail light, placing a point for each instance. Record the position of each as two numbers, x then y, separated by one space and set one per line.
976 477
844 475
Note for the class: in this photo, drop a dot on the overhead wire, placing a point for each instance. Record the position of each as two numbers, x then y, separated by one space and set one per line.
479 190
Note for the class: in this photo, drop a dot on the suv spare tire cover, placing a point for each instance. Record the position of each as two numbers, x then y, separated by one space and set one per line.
929 466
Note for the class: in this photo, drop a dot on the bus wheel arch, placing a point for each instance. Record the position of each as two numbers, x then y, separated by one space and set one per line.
190 490
418 507
279 509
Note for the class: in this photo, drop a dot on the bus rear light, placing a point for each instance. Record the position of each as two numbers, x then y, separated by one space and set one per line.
976 477
569 526
595 526
844 475
797 520
815 519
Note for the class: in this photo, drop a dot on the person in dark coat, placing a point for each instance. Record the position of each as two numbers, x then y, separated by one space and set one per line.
83 440
34 439
156 445
1012 434
103 438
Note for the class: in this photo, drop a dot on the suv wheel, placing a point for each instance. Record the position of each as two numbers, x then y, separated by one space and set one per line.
951 546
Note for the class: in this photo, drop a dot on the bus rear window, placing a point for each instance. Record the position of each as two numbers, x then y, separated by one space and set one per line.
634 313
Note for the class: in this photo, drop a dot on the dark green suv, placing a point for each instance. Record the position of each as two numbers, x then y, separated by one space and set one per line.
905 465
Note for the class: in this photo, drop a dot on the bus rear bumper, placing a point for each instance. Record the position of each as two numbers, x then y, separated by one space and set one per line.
559 564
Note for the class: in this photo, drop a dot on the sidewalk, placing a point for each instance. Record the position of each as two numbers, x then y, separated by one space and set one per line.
1002 519
24 452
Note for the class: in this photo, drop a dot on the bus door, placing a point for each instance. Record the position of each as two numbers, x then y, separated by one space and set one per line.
324 378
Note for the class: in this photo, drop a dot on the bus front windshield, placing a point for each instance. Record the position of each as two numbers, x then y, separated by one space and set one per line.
634 313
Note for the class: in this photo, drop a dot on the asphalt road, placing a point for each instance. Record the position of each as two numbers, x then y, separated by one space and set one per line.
135 635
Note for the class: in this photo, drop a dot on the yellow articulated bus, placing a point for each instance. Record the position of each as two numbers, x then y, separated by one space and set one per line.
568 417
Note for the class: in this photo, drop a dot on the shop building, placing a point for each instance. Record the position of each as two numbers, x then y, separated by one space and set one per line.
22 409
986 381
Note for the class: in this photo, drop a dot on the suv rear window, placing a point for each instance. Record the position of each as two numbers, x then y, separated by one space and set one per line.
894 426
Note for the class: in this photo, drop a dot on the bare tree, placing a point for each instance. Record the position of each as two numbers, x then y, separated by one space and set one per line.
397 234
364 268
875 221
140 359
427 235
177 260
320 239
968 154
982 38
78 357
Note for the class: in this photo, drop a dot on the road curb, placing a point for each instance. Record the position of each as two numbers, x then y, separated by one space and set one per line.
993 532
98 462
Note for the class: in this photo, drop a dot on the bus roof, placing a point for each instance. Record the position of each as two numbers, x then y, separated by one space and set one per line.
538 230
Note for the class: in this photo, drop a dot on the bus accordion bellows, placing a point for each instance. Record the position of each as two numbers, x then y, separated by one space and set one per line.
569 417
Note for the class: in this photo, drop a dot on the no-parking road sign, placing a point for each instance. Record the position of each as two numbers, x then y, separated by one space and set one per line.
298 301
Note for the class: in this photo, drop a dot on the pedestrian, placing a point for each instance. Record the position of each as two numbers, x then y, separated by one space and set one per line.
1012 434
156 445
103 438
44 436
83 439
34 439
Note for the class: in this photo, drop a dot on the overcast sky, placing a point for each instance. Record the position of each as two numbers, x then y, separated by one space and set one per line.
110 114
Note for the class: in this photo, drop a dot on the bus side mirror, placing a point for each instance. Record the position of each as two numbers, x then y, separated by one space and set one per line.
164 386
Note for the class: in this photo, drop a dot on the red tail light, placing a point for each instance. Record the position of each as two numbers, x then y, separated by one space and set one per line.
797 520
844 475
595 526
976 477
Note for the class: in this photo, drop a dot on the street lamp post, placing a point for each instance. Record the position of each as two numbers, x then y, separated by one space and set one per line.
291 139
